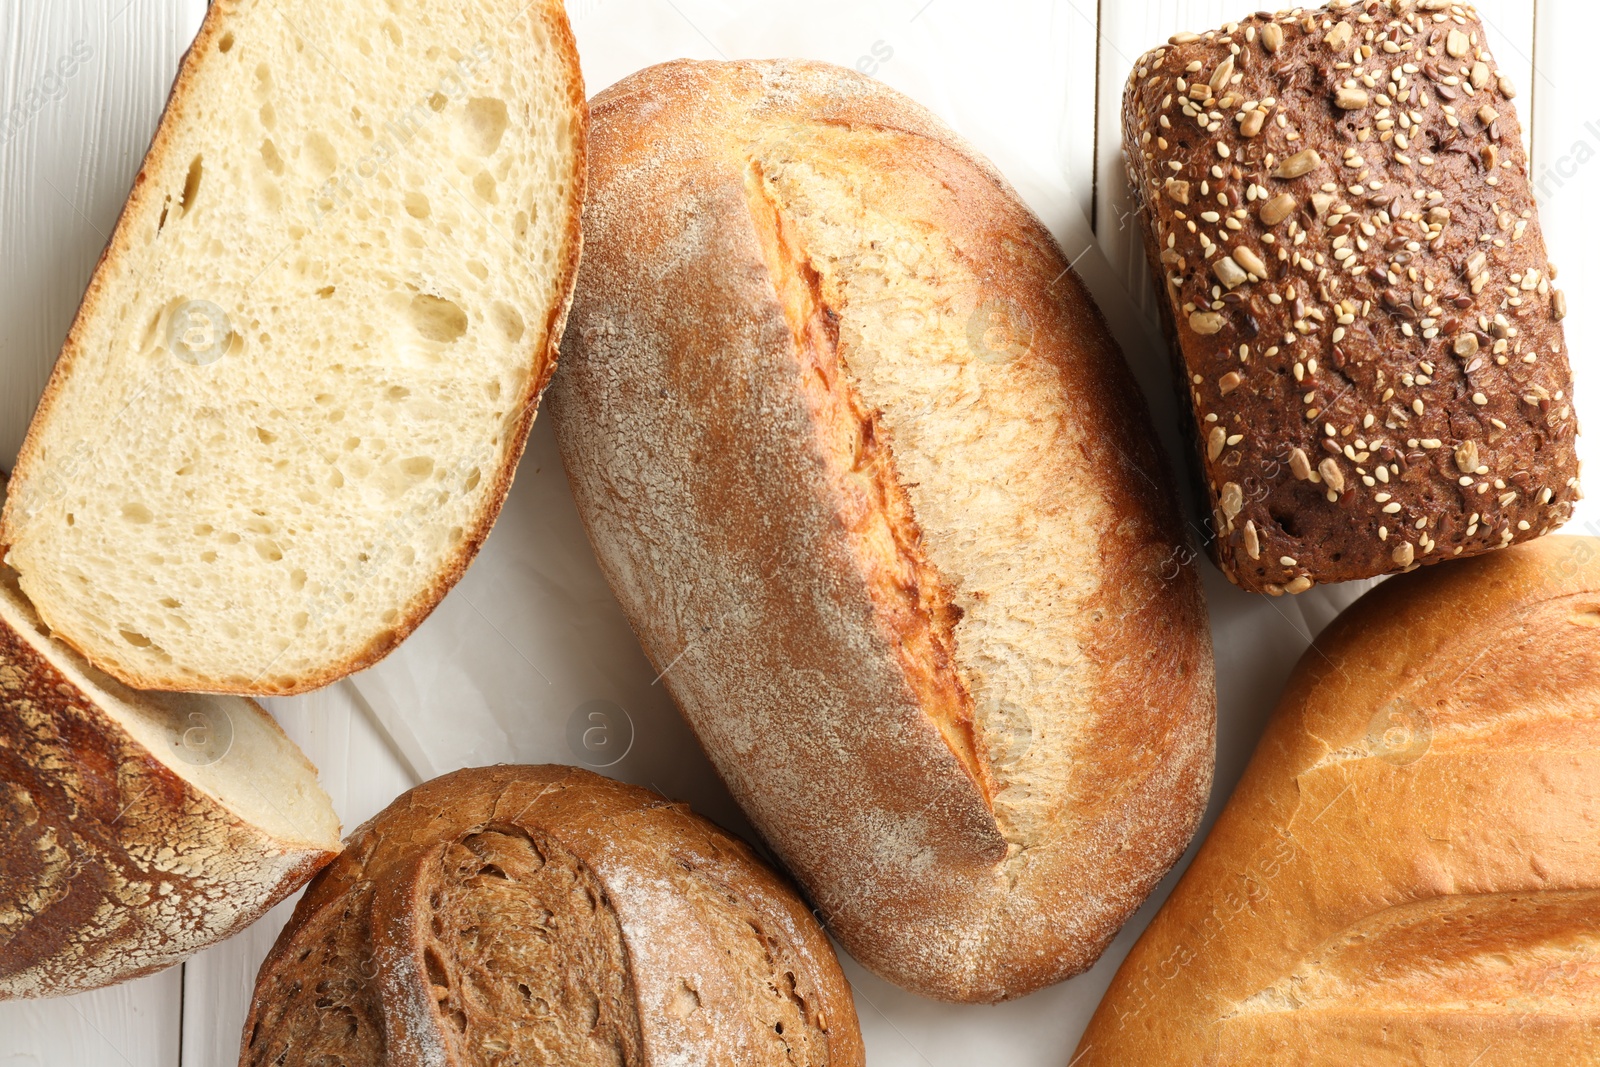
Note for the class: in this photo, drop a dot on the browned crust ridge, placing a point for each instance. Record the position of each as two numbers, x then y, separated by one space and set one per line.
1408 870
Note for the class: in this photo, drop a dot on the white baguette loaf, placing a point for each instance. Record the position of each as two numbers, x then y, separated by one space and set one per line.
1409 871
872 481
293 398
139 828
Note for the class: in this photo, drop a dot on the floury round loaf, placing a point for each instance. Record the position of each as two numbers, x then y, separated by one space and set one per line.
546 915
871 479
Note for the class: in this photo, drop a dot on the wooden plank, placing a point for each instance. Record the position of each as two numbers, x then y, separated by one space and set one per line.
81 149
84 85
1132 27
1078 21
362 775
1033 103
130 1025
1566 147
1511 40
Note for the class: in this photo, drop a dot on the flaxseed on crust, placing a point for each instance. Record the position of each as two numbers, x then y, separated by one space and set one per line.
1337 205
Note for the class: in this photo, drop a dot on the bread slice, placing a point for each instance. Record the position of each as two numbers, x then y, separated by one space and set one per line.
548 915
301 378
1409 870
139 827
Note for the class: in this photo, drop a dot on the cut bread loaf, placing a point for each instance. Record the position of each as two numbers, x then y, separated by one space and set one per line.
870 477
548 915
1337 208
295 393
1409 872
139 828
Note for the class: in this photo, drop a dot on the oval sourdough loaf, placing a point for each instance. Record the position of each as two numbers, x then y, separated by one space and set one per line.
291 404
870 477
138 828
1336 205
548 915
1409 872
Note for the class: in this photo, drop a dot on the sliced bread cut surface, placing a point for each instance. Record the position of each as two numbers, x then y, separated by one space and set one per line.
299 383
139 827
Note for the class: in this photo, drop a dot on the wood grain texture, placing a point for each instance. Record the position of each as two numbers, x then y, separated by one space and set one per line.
67 156
130 1025
1078 22
1565 119
82 85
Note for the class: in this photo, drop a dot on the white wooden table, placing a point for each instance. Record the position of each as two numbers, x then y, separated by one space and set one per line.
81 87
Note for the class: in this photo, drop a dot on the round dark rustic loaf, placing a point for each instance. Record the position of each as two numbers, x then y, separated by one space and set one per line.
872 481
523 915
1337 207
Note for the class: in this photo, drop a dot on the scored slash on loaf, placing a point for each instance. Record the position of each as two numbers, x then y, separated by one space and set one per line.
1336 208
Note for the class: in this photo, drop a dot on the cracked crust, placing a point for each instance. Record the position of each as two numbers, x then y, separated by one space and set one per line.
117 860
864 467
522 914
1409 870
1356 290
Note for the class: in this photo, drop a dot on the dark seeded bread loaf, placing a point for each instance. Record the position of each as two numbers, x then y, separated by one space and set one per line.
1409 872
1336 206
871 479
531 915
